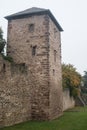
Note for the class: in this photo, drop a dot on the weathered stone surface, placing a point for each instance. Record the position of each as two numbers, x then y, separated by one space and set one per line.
31 88
68 102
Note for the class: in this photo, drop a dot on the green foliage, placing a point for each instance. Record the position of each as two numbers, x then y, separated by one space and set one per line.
8 58
84 83
75 92
2 45
71 79
74 119
84 90
85 79
2 41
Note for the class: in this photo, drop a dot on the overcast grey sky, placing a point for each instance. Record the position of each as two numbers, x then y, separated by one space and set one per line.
71 14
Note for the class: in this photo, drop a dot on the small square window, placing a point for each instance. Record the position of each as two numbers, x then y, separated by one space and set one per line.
4 68
31 27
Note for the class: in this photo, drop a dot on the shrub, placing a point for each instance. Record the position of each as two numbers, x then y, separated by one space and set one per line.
8 58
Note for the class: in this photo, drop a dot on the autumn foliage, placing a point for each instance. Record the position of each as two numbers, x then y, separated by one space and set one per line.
71 79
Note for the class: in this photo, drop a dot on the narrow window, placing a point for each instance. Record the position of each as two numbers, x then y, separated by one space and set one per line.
33 50
4 67
55 32
31 27
53 72
55 52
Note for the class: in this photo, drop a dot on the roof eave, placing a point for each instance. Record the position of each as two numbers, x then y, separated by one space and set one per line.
10 17
55 21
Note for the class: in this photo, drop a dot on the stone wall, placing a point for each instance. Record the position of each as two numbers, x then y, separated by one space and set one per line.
68 102
21 39
20 43
31 88
15 93
55 74
46 38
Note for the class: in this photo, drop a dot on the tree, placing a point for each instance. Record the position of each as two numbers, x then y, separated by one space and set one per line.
85 79
2 41
71 79
84 83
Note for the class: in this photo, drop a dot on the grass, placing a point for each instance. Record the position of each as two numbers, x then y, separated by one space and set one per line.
74 119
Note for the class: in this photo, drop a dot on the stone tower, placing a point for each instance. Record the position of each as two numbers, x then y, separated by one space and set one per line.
34 40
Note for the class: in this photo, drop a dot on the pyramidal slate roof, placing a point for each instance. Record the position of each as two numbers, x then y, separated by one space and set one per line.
34 11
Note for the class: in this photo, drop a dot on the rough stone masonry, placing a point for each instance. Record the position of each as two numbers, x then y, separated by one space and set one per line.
31 86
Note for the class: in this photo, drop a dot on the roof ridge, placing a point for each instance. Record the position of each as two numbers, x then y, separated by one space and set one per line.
30 10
